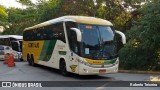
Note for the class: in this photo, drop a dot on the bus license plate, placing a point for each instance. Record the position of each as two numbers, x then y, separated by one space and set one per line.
102 70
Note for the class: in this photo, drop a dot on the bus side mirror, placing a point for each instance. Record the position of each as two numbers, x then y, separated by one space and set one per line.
122 36
79 34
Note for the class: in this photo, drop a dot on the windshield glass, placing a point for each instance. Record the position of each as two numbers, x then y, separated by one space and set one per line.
98 42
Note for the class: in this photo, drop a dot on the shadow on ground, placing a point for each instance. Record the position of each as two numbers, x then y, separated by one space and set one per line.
71 75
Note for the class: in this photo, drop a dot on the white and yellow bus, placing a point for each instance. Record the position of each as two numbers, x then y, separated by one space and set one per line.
77 44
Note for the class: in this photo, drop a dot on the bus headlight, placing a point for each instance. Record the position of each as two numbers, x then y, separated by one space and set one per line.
83 62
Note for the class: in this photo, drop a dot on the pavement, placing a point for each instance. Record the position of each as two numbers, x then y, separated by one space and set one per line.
23 72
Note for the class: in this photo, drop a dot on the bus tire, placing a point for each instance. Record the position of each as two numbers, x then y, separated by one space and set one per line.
32 60
29 59
62 67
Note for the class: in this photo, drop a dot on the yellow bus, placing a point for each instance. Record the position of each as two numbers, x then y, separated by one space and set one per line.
77 44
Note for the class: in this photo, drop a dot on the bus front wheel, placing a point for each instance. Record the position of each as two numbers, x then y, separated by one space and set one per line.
63 68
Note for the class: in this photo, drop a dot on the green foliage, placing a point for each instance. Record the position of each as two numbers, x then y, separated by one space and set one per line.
19 19
48 10
25 2
135 4
3 15
112 10
143 48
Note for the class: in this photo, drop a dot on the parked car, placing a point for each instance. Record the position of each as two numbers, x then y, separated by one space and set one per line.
7 49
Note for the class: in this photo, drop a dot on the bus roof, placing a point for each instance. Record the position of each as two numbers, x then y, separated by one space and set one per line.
78 19
12 36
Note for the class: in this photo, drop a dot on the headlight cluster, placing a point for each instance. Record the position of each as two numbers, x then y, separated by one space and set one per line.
83 62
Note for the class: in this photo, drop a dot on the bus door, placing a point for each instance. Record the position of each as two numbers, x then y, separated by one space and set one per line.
73 51
73 45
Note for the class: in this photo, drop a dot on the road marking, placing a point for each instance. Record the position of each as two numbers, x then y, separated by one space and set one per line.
155 78
104 85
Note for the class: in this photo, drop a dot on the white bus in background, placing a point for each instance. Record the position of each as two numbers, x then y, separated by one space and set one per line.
13 43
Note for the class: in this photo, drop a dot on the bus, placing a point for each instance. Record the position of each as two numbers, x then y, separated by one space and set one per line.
73 44
14 42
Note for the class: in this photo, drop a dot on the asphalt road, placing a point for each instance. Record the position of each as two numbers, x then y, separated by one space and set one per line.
24 72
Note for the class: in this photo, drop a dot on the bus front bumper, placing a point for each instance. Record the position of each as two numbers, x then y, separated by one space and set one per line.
87 70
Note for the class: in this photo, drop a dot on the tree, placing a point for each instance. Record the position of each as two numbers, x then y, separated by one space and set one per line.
48 10
112 10
143 48
19 19
3 16
25 2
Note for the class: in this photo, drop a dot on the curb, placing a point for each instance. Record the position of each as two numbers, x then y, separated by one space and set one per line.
138 72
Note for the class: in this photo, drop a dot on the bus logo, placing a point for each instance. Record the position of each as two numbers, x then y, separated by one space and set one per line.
73 68
36 45
6 84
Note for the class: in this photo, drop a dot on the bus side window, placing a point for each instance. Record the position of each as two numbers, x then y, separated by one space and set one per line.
28 35
48 33
57 32
40 34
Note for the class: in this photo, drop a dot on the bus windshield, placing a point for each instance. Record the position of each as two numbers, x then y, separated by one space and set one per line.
98 42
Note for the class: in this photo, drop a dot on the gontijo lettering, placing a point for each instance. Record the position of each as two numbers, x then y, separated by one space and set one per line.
35 45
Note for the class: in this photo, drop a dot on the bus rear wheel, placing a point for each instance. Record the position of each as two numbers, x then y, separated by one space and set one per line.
63 68
32 61
29 60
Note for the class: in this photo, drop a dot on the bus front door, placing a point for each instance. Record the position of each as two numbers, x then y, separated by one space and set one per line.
73 51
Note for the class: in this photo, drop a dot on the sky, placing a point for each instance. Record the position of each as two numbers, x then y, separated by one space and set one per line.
12 3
